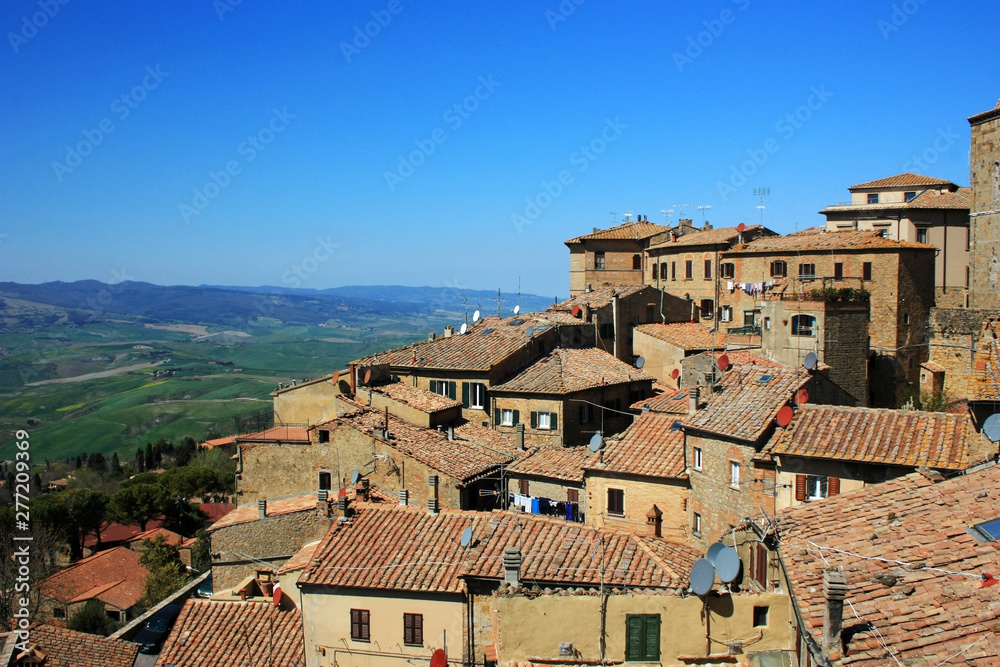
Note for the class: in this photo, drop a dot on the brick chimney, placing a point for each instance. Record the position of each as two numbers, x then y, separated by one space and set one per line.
519 437
433 505
654 522
449 331
693 394
262 509
512 565
834 591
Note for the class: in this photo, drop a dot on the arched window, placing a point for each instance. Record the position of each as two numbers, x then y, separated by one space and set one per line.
803 325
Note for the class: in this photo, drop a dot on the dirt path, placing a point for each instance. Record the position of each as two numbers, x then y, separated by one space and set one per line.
99 374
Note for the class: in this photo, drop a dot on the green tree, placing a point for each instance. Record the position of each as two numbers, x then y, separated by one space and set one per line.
116 464
150 461
92 619
201 553
138 503
73 514
79 462
98 462
166 572
140 460
190 482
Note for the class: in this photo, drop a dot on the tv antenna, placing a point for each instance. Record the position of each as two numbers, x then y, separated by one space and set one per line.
761 192
706 207
680 210
465 302
665 212
500 300
628 215
517 306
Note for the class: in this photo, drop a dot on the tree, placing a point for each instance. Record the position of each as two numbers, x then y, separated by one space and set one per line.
138 503
185 451
201 553
166 572
140 460
36 480
44 542
150 461
72 514
98 462
116 464
92 619
79 462
190 481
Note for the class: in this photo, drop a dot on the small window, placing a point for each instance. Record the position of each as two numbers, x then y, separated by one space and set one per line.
598 260
413 629
803 325
586 413
616 502
325 481
642 637
873 198
838 271
477 395
663 270
817 487
760 617
779 268
921 235
727 269
572 495
324 435
656 271
909 196
545 420
360 625
767 324
522 487
696 524
807 271
989 529
734 474
637 262
866 271
708 269
59 612
906 318
507 418
673 270
707 309
607 330
698 454
726 313
688 269
113 614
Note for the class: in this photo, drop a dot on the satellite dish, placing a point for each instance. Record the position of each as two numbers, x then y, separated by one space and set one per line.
801 397
785 415
463 328
723 362
810 361
640 362
740 227
675 373
439 658
727 564
475 316
596 442
517 309
713 552
467 536
336 377
355 477
531 330
702 576
368 376
991 427
576 310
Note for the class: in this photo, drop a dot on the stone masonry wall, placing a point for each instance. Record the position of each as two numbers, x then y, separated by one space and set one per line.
984 258
953 336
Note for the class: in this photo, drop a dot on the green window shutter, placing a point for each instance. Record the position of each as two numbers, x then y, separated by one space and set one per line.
554 420
517 417
534 420
451 390
496 416
434 386
633 637
652 638
465 394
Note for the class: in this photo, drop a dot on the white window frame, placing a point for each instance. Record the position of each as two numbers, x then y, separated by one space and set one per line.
545 421
727 313
699 458
696 524
442 388
817 487
734 474
477 390
506 417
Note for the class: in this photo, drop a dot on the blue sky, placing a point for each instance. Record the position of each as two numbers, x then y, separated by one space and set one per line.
452 143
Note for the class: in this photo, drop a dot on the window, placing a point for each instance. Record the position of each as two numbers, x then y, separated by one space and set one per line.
779 269
586 413
707 309
545 421
760 617
413 629
734 474
616 502
909 196
727 269
708 269
673 270
656 271
807 271
838 271
906 318
113 614
509 417
866 271
696 524
758 564
688 269
767 324
445 388
642 637
989 529
803 325
522 487
727 313
325 481
815 487
607 330
873 198
698 454
324 435
59 612
637 262
598 260
474 395
360 625
921 235
572 495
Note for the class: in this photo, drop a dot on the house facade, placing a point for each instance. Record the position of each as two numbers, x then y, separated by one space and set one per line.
984 258
615 255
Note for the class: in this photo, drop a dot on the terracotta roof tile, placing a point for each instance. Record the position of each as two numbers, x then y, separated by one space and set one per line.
566 370
215 511
249 513
885 538
68 648
113 576
562 463
685 335
599 297
112 532
417 398
670 401
871 435
744 406
928 199
300 560
170 536
210 633
650 446
277 434
629 230
721 236
984 381
901 180
846 241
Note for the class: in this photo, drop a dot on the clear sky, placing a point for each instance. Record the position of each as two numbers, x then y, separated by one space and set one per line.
453 143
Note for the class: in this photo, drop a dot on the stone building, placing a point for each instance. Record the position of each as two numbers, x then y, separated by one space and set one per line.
114 577
615 255
984 381
984 258
663 346
550 481
913 207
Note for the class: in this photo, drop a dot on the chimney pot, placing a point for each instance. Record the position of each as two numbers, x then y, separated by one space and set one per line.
261 509
519 437
654 522
693 394
404 497
834 590
431 336
433 505
512 565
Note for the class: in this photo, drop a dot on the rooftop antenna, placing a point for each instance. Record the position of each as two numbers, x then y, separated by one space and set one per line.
614 218
517 306
500 300
763 192
680 210
706 207
628 215
665 212
465 302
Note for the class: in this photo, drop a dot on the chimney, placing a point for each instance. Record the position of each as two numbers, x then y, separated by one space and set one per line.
451 432
693 394
431 337
448 331
519 437
708 225
654 522
261 509
321 499
834 590
432 503
342 506
404 497
512 565
586 312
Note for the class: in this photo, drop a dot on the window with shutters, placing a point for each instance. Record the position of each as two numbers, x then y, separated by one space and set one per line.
815 487
616 502
656 271
360 625
598 260
474 395
572 495
673 270
522 487
444 388
866 271
727 269
807 271
708 269
803 325
508 418
707 309
838 270
758 564
688 269
413 629
642 637
779 268
543 420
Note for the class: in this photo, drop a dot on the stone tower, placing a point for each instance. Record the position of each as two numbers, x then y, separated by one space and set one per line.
984 217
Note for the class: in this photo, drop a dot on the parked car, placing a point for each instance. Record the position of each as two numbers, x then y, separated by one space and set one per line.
155 630
205 588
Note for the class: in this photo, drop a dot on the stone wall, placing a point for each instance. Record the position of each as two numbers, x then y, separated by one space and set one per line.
640 493
953 336
984 258
720 504
308 403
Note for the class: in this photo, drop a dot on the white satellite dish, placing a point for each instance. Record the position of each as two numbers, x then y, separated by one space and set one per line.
810 361
517 309
475 316
530 331
727 564
355 476
596 442
713 552
640 362
467 536
991 427
463 328
702 576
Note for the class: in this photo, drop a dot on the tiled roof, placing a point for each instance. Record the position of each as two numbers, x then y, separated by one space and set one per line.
871 435
210 633
671 401
488 437
170 536
300 560
68 648
113 576
649 446
112 532
562 463
745 358
598 297
685 335
885 539
215 511
417 398
277 434
249 513
928 199
743 407
487 342
720 236
984 381
629 230
901 180
566 370
846 241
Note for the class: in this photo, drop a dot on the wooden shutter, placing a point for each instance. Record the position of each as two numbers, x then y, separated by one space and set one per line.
517 417
833 486
434 386
572 495
760 564
451 390
522 487
800 487
553 421
534 420
633 637
407 628
652 643
365 634
355 624
418 629
496 416
465 394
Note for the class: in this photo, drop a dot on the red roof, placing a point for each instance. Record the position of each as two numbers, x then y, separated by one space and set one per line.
650 446
68 648
901 180
685 335
112 533
627 231
170 536
249 513
113 576
568 370
215 511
